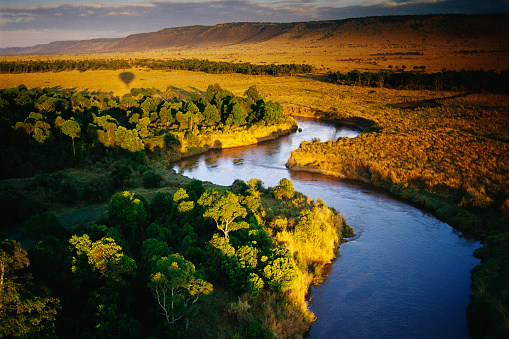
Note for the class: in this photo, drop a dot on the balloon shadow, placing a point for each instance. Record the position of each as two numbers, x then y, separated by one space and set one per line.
126 77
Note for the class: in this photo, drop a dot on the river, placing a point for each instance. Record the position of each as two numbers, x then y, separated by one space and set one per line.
404 275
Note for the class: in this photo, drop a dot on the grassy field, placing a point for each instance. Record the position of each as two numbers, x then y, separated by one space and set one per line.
363 50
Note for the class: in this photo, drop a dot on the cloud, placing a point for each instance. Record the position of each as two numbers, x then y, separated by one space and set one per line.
87 21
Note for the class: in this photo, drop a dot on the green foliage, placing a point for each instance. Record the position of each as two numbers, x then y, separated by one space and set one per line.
223 245
172 142
195 189
121 176
477 81
103 290
105 256
239 187
280 270
36 138
254 283
214 67
255 330
176 287
161 205
26 309
488 311
271 112
151 179
153 249
42 225
284 189
224 208
128 211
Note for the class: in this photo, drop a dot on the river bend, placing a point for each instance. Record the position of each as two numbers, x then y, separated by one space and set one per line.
405 274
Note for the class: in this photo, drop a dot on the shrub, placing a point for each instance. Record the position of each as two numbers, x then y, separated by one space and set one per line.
121 176
129 212
151 179
284 189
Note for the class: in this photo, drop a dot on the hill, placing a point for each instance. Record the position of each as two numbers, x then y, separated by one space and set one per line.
409 31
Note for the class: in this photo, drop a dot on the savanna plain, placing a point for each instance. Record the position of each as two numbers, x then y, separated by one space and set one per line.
168 248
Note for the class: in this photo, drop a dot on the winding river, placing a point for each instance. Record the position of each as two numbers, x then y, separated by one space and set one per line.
405 274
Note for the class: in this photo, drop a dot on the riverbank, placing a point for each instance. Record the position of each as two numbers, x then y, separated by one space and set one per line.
206 140
398 163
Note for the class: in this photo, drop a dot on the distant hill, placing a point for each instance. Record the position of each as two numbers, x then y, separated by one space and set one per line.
408 28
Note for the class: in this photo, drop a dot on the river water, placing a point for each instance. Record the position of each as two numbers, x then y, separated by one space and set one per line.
405 274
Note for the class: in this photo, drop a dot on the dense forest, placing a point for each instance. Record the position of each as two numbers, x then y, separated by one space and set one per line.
197 262
214 67
467 81
44 131
193 260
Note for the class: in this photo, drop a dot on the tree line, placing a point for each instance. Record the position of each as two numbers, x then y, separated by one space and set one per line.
215 67
446 80
45 130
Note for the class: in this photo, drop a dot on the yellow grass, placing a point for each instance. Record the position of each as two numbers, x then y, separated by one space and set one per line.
341 52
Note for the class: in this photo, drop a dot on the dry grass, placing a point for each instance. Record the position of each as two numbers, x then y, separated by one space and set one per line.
342 52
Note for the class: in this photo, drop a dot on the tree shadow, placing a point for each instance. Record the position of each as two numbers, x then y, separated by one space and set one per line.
187 94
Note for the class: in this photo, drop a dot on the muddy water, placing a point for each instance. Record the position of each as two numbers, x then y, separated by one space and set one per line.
405 275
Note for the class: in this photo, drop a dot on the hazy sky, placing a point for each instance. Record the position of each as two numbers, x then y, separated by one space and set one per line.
30 22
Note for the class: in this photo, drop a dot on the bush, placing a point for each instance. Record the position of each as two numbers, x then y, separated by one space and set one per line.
129 212
172 142
121 176
255 330
151 179
284 189
42 225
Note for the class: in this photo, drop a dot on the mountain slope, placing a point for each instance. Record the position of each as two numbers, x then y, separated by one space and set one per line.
409 29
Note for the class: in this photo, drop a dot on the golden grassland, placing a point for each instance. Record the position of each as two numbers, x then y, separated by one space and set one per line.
340 52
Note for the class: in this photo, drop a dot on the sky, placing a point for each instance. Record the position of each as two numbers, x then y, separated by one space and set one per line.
30 22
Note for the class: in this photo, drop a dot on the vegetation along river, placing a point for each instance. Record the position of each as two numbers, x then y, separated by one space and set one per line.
405 274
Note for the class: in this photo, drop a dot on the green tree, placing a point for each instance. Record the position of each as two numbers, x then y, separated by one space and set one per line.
252 93
211 115
271 112
41 131
72 129
280 271
105 256
161 205
25 308
128 139
150 105
238 114
224 207
128 103
284 189
142 127
170 94
129 211
176 287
